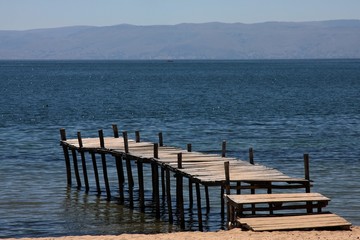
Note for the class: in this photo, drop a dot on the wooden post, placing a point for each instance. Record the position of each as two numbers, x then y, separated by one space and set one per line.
207 197
161 143
189 147
163 185
115 130
137 136
141 185
251 155
96 173
227 187
66 156
223 150
83 162
76 168
130 181
156 150
103 160
198 196
126 142
191 195
120 174
168 195
307 177
155 181
179 192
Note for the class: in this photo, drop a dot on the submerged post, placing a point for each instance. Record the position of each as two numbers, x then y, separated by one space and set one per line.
180 193
66 156
103 160
83 162
307 171
223 150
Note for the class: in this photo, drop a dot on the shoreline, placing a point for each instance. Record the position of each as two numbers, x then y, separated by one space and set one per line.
352 234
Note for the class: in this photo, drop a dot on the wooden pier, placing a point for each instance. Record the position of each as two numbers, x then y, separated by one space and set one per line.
201 171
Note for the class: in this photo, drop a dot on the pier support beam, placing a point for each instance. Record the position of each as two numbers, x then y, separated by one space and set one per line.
83 163
103 161
66 156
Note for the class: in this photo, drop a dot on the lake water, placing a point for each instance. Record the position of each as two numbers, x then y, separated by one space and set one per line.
281 108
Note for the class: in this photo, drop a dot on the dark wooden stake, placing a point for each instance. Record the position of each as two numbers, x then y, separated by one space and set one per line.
155 181
251 155
130 181
180 193
161 142
66 156
198 196
83 163
227 188
156 150
115 131
207 197
307 177
141 185
76 168
120 174
189 147
223 149
191 195
168 195
103 160
126 142
96 173
137 136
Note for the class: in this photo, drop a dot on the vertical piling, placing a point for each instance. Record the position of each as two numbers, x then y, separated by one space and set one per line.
76 168
223 149
198 196
161 142
115 131
126 142
120 174
179 192
130 181
103 160
96 173
168 195
137 136
66 156
141 185
83 162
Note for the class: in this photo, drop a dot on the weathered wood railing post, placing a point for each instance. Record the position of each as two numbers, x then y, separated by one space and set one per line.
137 136
161 141
223 149
251 156
168 195
198 196
76 168
120 174
103 160
252 190
155 181
96 173
83 162
191 195
307 177
141 184
179 192
66 156
115 131
126 142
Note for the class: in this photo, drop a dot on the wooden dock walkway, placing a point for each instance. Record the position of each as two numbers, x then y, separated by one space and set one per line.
207 170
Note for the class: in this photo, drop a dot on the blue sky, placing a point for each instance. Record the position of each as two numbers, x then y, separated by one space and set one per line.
30 14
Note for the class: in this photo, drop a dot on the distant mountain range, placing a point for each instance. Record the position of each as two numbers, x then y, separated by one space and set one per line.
269 40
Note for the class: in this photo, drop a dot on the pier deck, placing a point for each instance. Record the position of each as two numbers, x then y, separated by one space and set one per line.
208 170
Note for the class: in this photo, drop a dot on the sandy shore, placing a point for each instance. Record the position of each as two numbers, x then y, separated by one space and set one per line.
354 233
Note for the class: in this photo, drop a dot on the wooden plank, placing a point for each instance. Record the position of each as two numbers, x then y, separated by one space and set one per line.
278 197
307 221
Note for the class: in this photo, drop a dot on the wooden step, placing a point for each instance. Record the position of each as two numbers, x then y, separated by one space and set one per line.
305 221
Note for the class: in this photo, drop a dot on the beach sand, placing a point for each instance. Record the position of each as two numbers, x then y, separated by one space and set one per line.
352 234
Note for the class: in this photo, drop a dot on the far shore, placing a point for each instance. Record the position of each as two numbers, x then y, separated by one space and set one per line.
352 234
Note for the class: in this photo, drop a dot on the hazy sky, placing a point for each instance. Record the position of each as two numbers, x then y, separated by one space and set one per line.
30 14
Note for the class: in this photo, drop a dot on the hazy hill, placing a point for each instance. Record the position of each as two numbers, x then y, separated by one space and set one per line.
325 39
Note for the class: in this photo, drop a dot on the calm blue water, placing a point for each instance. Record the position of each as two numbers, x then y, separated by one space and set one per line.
280 108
